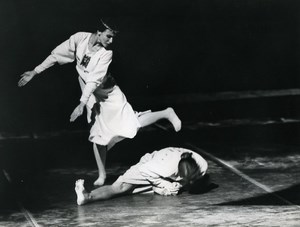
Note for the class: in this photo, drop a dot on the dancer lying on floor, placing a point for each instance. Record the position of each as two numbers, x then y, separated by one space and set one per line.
110 115
165 172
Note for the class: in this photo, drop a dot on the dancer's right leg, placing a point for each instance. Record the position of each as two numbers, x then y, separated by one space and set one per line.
102 193
100 156
152 117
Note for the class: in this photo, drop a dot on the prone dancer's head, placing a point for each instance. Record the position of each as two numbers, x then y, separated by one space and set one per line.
106 32
193 180
188 169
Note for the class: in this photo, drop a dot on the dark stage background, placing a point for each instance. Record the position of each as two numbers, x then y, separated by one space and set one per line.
165 47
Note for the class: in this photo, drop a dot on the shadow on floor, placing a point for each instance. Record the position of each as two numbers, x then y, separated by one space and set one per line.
291 194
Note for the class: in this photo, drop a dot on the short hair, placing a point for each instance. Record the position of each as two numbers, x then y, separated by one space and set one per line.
187 167
189 170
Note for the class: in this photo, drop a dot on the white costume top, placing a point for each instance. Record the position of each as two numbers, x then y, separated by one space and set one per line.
164 164
91 66
116 119
160 169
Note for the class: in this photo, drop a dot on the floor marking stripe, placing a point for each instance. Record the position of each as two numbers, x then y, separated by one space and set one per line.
241 174
215 96
161 126
26 213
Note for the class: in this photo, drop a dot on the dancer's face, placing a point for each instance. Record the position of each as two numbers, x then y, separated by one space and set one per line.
106 37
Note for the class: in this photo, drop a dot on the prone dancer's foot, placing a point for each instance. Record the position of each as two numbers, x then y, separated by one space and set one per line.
174 119
99 182
82 195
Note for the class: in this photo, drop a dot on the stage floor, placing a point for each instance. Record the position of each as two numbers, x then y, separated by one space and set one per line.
255 165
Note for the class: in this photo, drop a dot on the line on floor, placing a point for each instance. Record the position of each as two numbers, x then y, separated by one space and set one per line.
25 212
239 173
161 126
216 96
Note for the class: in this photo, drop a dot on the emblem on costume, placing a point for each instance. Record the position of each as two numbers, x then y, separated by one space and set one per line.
85 61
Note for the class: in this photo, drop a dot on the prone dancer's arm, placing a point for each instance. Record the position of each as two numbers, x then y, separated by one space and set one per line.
159 184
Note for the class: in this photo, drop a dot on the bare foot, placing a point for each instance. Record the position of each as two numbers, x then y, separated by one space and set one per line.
99 182
174 119
80 192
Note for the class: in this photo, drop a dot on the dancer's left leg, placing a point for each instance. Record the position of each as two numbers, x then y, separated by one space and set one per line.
102 193
100 156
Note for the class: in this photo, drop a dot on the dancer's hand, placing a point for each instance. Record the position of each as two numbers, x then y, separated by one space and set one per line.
174 189
26 77
169 189
77 112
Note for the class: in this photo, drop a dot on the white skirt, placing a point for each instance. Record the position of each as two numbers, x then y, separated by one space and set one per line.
115 121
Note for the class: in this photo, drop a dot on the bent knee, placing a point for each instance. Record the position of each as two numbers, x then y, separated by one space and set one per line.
121 187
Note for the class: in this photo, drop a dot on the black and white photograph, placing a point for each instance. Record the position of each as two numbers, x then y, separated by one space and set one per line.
149 113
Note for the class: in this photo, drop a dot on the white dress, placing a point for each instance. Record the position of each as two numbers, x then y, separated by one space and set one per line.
117 120
159 168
